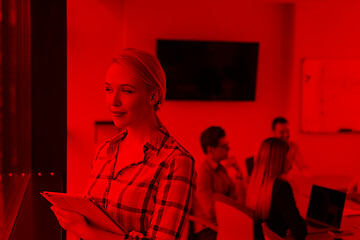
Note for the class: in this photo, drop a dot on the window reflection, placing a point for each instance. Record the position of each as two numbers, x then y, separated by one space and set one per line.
14 108
15 84
1 97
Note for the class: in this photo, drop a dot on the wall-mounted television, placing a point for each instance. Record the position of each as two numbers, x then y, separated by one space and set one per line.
209 70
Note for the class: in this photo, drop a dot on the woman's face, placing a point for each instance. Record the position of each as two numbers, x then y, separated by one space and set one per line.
127 97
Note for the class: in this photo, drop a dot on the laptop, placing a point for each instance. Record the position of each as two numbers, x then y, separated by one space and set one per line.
325 209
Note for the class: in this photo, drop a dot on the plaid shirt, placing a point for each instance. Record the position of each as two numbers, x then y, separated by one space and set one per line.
153 196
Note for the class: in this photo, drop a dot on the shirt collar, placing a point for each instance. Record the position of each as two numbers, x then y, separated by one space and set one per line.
155 143
158 140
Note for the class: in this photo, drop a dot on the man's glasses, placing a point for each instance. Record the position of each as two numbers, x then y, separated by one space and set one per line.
224 146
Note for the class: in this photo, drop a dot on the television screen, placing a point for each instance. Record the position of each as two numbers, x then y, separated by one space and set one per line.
209 70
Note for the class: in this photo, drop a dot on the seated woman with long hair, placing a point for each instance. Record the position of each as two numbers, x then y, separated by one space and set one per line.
270 195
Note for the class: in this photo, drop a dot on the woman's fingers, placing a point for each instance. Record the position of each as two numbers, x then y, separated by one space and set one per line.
62 221
56 210
64 213
67 219
136 234
71 221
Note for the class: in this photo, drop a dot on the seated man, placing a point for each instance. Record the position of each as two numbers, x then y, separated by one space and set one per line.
280 128
214 178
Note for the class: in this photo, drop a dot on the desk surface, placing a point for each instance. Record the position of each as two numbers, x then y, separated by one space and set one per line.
302 189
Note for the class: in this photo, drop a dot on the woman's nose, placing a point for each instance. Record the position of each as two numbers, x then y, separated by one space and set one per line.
115 99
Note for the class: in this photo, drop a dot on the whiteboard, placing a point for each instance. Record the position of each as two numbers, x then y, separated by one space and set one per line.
330 96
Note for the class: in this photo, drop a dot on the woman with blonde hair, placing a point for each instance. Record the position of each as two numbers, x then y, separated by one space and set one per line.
143 178
270 195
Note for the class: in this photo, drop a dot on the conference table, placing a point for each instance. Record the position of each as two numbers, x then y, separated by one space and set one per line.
351 217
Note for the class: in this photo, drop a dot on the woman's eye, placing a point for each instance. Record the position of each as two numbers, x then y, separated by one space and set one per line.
127 91
107 89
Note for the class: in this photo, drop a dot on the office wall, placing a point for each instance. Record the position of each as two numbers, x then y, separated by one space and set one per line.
269 24
326 31
99 29
94 35
286 32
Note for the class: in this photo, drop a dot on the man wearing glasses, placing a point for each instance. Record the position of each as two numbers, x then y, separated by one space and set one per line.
213 178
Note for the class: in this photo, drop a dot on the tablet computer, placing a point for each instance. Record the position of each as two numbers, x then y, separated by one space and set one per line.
85 206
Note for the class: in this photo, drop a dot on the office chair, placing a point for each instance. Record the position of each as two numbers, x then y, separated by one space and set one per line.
249 164
188 233
234 220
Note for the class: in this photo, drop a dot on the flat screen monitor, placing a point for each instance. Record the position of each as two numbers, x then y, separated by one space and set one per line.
209 70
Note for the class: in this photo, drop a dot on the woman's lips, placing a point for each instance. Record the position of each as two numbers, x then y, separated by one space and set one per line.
118 114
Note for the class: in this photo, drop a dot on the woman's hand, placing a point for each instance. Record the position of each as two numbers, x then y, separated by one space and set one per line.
71 221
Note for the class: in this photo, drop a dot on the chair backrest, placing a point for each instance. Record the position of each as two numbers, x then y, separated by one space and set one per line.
269 234
188 233
234 220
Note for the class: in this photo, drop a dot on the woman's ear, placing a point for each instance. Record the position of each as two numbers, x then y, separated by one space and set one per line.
155 97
